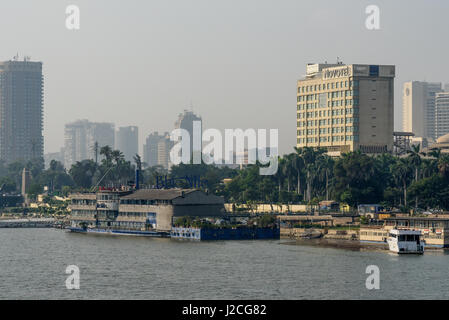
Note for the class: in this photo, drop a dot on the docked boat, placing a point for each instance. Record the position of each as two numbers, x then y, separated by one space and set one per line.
100 231
405 241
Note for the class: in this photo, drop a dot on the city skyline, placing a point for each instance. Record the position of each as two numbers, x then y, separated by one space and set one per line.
226 69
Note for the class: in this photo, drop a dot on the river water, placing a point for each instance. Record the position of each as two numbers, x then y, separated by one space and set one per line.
33 264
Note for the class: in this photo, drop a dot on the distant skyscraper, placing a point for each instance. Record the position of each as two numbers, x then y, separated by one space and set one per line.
127 141
418 108
156 150
21 100
185 121
80 137
57 156
441 114
102 133
75 142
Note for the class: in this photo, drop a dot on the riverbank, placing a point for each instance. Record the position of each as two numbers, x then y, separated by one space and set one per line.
28 223
338 244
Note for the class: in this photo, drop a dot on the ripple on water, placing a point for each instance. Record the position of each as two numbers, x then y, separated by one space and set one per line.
34 260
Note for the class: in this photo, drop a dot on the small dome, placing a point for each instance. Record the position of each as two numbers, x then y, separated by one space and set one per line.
443 139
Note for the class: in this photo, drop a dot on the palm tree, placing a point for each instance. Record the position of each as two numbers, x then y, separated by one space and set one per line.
298 165
435 152
325 166
401 171
287 168
415 160
443 165
138 161
96 149
106 151
280 175
309 156
117 156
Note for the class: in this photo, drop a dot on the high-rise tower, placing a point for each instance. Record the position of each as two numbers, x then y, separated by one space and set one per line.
127 141
346 107
21 111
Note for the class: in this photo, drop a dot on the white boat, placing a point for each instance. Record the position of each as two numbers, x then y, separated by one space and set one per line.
405 241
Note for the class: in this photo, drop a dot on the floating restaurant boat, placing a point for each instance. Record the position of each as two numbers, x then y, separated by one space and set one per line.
157 234
405 241
142 212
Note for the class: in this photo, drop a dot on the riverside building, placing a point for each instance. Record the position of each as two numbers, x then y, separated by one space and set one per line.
123 210
346 108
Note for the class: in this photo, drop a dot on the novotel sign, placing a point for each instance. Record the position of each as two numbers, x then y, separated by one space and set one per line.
336 73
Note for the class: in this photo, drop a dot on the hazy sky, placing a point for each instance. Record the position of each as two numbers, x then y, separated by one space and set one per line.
141 62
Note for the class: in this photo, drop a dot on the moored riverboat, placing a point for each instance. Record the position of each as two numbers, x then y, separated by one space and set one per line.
405 241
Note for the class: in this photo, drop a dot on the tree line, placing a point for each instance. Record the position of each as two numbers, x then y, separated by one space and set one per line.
307 176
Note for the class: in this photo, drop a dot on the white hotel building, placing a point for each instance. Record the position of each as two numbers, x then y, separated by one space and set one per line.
346 107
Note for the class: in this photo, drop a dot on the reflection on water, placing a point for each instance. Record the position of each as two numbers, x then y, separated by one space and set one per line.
33 263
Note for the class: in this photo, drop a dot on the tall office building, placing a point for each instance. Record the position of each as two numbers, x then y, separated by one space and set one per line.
185 121
102 133
21 114
80 138
57 156
75 142
156 150
346 107
418 108
127 141
441 114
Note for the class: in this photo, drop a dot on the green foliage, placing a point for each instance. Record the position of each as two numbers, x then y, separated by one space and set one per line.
306 176
35 189
7 185
265 221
